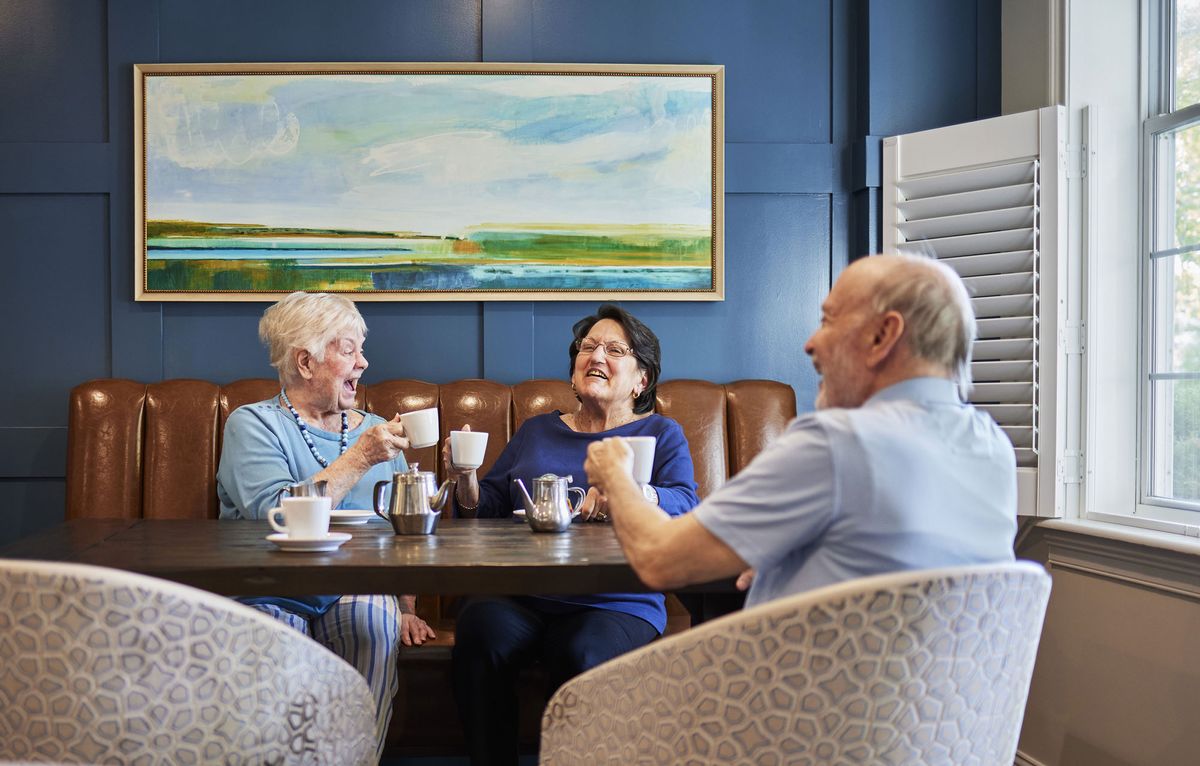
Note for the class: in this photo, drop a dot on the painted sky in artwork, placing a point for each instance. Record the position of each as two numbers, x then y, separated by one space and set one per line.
435 154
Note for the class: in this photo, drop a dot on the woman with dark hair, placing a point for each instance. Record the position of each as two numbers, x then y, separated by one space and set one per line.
614 373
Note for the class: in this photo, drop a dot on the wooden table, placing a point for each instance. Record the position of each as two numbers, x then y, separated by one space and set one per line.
234 558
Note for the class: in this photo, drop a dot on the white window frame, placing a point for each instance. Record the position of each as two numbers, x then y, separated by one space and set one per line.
1155 434
1106 96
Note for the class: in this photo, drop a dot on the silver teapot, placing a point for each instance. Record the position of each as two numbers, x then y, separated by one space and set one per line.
415 507
550 509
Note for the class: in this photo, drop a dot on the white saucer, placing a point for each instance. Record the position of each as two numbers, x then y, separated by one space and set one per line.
331 542
347 517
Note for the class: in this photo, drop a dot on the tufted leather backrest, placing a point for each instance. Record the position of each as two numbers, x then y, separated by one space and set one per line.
699 407
151 451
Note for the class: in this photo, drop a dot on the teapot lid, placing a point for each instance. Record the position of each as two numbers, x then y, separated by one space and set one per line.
550 477
411 476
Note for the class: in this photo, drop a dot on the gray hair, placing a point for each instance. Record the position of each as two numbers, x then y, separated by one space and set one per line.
308 321
937 312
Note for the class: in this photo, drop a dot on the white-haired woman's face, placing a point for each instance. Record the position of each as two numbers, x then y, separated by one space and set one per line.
334 380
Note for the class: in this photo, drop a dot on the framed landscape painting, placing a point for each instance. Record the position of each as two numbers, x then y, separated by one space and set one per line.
429 181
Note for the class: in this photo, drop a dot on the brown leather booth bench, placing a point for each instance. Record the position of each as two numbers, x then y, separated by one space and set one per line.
137 450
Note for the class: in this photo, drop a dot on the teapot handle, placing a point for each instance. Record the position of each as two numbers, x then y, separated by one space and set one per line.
377 499
576 506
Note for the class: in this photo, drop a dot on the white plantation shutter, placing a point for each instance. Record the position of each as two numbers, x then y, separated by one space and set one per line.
988 199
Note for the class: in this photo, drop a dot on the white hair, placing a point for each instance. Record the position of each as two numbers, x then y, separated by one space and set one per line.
937 312
308 321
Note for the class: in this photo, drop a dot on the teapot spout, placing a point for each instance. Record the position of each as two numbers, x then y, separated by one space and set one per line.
438 501
525 498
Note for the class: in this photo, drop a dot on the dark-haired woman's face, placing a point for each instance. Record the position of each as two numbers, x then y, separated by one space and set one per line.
602 379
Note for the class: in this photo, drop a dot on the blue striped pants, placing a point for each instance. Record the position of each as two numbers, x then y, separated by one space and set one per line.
365 632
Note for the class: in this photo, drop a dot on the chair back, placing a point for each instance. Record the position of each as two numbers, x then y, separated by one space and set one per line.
138 450
929 667
102 666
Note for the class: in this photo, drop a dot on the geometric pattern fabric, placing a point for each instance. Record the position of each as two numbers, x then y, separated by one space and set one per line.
928 667
102 666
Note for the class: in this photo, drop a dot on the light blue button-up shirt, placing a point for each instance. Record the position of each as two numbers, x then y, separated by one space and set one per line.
912 479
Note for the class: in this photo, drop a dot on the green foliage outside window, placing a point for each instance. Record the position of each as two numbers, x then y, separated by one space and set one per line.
1186 356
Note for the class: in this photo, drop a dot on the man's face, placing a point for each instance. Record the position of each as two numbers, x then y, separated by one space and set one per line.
839 346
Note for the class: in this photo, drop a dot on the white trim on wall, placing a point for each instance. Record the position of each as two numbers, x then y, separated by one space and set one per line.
1025 760
1167 570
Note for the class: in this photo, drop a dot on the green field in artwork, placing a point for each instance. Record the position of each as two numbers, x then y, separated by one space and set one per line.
204 256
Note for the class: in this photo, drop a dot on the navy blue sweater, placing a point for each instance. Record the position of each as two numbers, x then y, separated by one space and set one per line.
545 444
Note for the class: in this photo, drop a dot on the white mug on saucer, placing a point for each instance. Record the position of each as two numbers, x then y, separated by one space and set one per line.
643 456
304 518
467 448
421 427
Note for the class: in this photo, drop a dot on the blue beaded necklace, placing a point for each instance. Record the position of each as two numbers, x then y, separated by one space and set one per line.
308 439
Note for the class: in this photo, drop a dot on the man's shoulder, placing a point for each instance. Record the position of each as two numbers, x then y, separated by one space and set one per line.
938 427
820 432
824 423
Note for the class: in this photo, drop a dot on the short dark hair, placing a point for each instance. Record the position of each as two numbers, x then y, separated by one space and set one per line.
642 342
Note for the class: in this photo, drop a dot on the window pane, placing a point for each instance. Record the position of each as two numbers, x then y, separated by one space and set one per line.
1176 473
1177 188
1177 314
1187 53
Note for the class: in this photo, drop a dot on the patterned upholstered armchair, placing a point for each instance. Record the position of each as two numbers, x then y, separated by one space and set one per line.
928 667
101 666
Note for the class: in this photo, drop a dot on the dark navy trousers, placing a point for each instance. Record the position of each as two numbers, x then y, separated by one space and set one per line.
495 637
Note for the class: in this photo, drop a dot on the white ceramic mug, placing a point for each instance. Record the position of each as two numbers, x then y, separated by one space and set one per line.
421 427
304 518
467 448
643 457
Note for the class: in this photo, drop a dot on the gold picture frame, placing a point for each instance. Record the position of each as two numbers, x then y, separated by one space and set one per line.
417 181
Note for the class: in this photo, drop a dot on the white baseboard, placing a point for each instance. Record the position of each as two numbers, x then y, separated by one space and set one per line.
1024 760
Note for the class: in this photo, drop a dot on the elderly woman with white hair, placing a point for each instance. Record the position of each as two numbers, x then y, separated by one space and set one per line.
311 430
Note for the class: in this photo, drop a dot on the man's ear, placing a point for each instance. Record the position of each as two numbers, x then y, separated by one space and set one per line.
889 327
304 363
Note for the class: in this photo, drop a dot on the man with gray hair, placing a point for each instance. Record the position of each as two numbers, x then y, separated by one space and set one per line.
892 472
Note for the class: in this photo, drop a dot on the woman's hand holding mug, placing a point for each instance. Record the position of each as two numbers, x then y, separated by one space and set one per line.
448 458
382 442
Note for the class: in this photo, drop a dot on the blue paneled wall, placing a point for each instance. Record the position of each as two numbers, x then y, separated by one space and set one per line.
811 86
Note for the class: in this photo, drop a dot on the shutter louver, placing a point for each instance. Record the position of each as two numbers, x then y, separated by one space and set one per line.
983 224
988 199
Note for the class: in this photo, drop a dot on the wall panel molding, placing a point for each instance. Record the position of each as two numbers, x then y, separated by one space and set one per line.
779 168
137 338
1026 760
1159 569
798 173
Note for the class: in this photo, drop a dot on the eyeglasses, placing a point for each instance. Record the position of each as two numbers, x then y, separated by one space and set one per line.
614 349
